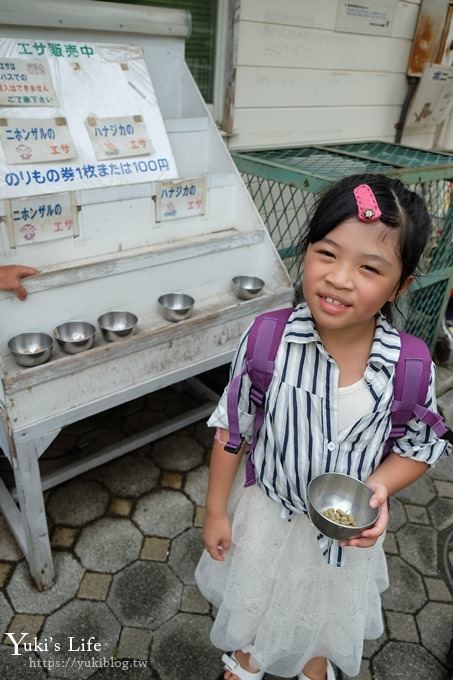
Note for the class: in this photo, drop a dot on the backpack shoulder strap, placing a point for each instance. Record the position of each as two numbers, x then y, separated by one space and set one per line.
412 375
262 344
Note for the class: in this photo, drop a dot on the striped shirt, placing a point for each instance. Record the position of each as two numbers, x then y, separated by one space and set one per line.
299 438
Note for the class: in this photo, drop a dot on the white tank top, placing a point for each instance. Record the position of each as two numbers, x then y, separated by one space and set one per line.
354 402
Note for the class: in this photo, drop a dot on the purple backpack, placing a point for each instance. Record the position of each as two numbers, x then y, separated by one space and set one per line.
411 383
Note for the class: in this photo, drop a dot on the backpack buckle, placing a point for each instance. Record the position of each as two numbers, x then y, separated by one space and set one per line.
257 396
230 448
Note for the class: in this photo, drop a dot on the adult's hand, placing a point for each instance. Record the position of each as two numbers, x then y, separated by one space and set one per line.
11 278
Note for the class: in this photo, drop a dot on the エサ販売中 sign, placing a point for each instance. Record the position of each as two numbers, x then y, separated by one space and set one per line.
108 85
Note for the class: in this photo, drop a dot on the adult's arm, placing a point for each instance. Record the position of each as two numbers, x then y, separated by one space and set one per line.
11 278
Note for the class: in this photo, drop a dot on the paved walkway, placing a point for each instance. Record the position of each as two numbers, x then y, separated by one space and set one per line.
126 539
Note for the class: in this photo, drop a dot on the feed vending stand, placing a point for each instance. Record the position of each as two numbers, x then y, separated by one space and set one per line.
117 186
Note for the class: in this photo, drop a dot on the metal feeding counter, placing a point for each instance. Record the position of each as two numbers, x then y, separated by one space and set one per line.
116 185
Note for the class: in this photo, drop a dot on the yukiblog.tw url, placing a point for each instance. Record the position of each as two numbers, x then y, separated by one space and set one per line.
92 662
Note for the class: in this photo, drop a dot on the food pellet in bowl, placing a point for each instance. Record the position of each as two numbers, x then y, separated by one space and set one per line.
340 517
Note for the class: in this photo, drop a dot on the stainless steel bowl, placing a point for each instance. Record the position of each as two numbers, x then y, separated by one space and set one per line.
176 306
335 490
117 325
247 287
31 349
75 336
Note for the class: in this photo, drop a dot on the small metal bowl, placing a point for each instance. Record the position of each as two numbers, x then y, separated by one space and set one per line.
247 287
75 336
335 490
117 325
30 349
176 306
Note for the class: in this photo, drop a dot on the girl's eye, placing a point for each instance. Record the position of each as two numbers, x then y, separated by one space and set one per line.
370 269
327 253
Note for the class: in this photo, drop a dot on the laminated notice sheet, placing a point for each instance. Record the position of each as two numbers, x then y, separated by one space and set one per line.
78 116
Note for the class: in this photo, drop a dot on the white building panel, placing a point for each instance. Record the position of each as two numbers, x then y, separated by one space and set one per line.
299 80
261 128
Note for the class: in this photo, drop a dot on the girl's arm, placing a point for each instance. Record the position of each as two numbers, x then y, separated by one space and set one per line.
222 470
395 473
392 475
418 445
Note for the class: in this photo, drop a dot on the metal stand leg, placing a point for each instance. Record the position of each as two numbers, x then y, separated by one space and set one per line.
34 533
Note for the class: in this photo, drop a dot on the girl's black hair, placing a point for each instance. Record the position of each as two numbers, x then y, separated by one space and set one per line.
401 209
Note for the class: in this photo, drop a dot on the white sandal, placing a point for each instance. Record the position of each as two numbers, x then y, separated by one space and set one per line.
233 665
330 673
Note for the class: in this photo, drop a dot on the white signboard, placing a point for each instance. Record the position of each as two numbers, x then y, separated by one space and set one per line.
370 17
42 218
35 140
119 137
184 198
26 82
433 99
91 81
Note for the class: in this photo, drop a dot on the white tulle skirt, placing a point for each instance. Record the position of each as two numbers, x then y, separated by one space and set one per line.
277 598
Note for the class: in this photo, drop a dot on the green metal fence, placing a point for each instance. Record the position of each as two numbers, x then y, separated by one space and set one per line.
286 183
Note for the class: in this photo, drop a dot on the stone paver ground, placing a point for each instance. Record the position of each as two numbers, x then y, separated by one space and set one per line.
126 538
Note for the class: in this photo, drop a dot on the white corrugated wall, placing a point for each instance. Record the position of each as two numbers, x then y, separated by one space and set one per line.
300 81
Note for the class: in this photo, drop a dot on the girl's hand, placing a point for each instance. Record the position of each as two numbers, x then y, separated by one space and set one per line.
217 535
368 537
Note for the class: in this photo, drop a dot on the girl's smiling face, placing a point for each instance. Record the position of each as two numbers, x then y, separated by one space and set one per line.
350 274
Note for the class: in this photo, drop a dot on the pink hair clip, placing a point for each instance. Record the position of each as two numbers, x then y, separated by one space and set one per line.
367 205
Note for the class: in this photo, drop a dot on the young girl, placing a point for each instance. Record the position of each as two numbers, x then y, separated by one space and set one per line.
289 603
